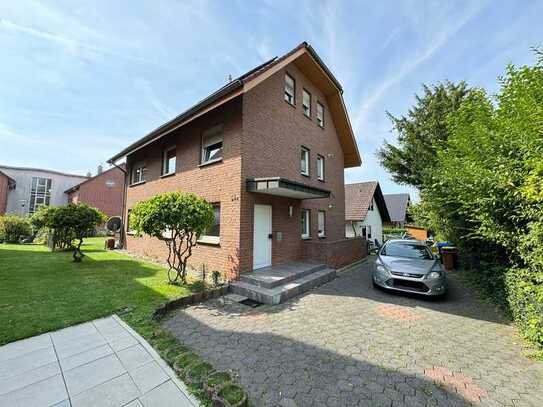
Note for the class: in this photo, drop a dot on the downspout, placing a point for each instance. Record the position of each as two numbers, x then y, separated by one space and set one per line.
122 237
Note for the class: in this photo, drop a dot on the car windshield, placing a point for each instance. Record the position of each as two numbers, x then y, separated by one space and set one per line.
409 250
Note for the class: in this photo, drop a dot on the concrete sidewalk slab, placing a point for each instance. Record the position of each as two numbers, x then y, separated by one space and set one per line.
102 362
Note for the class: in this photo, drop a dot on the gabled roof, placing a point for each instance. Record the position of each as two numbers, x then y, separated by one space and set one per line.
307 60
41 170
358 198
397 206
11 181
76 187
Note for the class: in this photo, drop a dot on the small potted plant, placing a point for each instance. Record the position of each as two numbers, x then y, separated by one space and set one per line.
230 395
215 381
197 373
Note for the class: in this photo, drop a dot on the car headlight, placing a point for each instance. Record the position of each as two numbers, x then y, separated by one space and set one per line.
382 269
433 275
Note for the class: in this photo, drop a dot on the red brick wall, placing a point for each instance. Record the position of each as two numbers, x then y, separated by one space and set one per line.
95 193
273 134
218 182
337 253
3 193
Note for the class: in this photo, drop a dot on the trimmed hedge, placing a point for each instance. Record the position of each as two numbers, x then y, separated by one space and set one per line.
13 228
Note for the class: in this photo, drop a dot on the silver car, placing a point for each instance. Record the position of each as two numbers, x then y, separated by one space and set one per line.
409 266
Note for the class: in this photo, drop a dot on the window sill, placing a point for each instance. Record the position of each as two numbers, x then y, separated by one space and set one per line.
308 117
306 237
218 160
209 240
320 179
322 236
167 175
319 126
293 105
137 183
305 175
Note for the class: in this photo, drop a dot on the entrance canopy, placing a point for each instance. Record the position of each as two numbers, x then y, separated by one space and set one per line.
284 187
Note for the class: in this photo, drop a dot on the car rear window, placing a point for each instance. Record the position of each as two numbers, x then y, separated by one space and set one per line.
408 250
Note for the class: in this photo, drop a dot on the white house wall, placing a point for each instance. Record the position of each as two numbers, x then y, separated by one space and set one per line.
373 219
21 193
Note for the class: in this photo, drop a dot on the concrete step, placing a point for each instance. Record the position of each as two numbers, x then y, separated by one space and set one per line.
275 276
279 294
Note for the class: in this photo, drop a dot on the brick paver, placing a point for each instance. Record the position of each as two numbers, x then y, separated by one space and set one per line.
347 344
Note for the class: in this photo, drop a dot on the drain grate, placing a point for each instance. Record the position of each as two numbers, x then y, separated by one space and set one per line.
250 303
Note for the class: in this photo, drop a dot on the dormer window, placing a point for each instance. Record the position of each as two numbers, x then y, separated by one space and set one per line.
290 89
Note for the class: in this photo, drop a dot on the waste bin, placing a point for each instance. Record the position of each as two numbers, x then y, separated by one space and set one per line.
449 254
110 244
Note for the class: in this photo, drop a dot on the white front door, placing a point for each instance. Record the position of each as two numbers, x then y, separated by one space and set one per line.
262 236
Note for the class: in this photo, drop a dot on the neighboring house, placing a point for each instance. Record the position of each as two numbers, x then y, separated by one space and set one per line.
29 188
6 184
365 211
104 191
397 205
268 150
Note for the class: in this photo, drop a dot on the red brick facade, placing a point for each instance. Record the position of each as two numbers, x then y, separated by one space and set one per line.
262 137
104 191
4 187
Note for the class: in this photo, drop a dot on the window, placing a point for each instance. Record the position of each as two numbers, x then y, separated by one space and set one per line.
408 250
305 223
371 206
306 103
320 114
212 235
321 221
212 145
304 161
128 228
138 174
320 167
368 232
290 89
169 157
40 193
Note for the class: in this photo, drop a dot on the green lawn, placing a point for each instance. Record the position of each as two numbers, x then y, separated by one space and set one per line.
41 291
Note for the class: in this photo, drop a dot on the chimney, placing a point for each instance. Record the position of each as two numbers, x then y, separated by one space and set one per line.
99 170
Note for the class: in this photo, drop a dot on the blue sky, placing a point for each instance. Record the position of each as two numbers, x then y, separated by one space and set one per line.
81 80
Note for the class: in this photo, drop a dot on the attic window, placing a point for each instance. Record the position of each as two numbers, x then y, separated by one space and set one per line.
306 103
290 89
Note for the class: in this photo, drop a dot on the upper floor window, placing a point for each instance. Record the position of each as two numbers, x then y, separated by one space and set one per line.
290 89
306 103
212 142
305 219
169 157
138 174
304 161
371 206
320 167
320 114
40 193
321 220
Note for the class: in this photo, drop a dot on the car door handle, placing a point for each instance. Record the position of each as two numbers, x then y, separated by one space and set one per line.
270 236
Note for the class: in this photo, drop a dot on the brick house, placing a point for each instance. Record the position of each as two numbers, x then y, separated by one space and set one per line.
104 191
6 184
269 151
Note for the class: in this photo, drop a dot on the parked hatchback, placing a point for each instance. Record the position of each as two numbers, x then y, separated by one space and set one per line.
409 266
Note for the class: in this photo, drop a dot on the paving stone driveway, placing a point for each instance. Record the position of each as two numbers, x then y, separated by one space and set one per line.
347 344
99 363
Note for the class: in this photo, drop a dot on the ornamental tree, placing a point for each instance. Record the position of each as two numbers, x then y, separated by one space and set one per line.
67 224
178 219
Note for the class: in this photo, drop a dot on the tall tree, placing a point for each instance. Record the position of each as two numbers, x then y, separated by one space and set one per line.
413 160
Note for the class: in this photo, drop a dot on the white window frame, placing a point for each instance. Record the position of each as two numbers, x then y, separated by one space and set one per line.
213 239
321 225
306 105
305 221
165 164
304 162
320 167
210 138
290 93
142 170
320 114
35 194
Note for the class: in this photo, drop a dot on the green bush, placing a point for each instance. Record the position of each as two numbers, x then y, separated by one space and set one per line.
525 297
13 228
393 231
